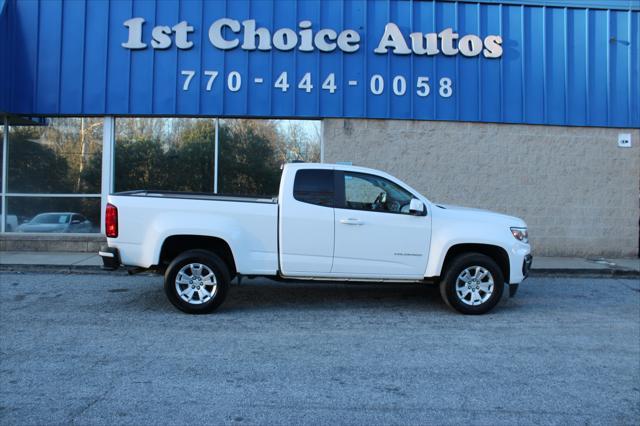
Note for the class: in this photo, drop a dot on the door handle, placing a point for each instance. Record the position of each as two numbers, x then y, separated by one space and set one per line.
351 221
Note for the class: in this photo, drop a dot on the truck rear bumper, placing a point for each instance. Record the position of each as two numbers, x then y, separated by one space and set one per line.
110 258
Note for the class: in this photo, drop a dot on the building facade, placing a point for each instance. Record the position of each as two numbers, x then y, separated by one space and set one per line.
531 108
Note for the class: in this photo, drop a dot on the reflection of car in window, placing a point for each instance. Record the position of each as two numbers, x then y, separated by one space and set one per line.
67 222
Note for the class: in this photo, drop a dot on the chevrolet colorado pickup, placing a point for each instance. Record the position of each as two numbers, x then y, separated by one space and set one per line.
329 222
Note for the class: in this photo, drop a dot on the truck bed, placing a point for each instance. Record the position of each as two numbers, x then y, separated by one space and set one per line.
147 218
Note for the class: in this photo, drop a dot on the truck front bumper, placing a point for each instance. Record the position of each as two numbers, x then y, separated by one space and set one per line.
110 258
526 267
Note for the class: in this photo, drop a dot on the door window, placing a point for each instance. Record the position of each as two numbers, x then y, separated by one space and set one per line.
374 193
314 187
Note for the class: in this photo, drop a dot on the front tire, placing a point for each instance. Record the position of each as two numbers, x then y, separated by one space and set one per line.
473 284
197 282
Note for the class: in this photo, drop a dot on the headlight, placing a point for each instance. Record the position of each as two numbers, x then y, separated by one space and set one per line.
520 234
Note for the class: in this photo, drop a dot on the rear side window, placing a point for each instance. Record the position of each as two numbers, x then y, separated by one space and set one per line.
314 187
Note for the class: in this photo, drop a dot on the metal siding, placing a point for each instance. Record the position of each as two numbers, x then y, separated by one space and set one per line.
95 59
634 70
49 54
141 70
491 101
598 67
4 56
468 75
71 68
582 4
512 64
561 65
555 66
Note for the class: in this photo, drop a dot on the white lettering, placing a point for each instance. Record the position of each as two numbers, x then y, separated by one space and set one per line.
227 34
215 33
492 46
306 36
285 39
424 44
447 37
161 37
250 34
470 45
349 41
321 40
392 38
182 31
135 34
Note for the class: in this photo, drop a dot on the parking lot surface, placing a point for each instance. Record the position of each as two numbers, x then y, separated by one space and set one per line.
110 349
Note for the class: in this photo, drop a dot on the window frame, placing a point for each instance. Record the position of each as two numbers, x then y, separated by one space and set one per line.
341 200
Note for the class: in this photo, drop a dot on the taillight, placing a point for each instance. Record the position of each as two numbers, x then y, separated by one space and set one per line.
111 221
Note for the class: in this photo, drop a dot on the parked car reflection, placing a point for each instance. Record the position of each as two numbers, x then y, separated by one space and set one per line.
57 222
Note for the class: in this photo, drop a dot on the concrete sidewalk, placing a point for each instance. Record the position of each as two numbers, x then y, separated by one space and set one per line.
88 262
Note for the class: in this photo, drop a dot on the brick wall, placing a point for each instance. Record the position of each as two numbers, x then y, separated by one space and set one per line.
576 189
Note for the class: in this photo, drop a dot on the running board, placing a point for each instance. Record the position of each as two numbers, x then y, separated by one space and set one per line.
352 280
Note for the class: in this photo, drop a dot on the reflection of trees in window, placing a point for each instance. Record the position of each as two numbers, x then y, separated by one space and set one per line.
53 158
178 154
248 164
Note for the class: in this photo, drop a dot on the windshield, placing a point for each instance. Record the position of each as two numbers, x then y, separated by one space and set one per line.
51 218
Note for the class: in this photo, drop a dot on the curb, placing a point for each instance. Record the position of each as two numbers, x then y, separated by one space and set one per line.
584 272
542 272
61 269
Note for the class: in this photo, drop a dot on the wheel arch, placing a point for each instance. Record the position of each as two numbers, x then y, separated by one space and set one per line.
497 253
173 245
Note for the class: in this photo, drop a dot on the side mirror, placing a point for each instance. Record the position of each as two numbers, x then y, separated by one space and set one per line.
416 207
75 221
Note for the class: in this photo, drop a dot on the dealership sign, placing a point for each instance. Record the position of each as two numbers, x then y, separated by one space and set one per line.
481 61
306 40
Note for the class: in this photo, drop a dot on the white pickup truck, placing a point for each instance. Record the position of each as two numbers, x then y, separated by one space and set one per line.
329 222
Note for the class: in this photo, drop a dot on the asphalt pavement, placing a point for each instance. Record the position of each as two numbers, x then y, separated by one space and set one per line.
110 349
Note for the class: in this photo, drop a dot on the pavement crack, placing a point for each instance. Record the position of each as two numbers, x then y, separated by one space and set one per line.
622 283
90 404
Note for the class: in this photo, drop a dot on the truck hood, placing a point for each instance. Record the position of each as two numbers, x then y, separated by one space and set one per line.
479 215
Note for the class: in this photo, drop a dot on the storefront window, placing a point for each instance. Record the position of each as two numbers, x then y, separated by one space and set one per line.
173 154
61 157
60 163
178 154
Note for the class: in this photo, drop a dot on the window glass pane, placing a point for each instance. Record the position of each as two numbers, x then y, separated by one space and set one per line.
368 192
64 156
172 154
1 151
314 186
177 154
53 214
253 151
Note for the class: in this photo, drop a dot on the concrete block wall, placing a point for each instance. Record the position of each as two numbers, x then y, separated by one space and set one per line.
576 189
49 242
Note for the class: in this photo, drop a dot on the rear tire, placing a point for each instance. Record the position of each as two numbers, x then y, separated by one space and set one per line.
473 284
197 282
